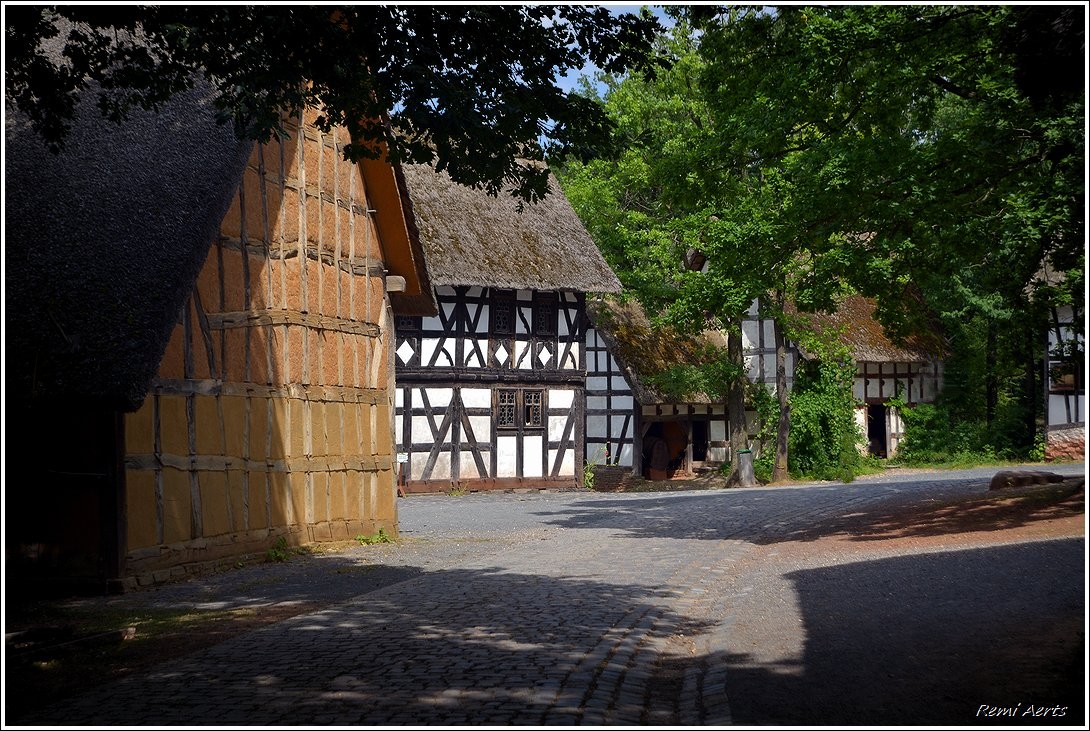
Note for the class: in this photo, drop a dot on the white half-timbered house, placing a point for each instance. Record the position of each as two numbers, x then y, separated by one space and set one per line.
1065 436
883 369
633 426
491 391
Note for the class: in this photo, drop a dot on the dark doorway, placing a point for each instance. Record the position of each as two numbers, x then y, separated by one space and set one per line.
65 531
664 450
876 430
700 441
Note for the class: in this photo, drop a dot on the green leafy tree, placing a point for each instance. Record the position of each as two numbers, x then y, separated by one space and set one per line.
928 156
935 159
473 89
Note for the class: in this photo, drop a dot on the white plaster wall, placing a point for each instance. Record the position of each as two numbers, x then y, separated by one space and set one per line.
531 456
506 448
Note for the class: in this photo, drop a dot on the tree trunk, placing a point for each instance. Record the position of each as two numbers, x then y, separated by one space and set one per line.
736 408
779 467
991 378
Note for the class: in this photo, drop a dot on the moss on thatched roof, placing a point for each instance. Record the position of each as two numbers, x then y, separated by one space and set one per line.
103 244
856 327
645 352
472 238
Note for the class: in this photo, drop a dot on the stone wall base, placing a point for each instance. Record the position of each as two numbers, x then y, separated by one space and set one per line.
612 478
1066 444
172 562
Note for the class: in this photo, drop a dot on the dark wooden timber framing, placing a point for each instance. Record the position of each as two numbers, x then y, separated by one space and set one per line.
532 346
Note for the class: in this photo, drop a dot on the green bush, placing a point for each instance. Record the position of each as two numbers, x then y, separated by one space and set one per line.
824 442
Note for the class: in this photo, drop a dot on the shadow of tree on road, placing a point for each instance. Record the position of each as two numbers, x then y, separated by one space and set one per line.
777 515
469 649
914 640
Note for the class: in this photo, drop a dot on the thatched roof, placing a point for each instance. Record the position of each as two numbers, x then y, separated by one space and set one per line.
472 238
644 352
857 327
103 244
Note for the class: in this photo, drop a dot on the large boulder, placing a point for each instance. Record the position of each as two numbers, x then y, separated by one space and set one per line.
1021 478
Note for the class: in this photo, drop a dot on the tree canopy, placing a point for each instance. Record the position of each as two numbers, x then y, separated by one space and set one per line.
473 89
931 157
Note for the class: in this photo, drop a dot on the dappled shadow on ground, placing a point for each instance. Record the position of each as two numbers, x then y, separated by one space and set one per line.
847 512
916 640
992 511
451 647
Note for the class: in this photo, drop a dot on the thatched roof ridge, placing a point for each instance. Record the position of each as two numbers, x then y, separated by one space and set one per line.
859 329
643 351
472 238
103 244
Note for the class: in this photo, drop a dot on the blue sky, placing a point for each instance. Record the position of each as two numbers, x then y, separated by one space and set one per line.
571 80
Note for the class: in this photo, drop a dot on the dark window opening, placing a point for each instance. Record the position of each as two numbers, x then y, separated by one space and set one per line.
531 404
544 318
505 409
520 408
503 306
407 322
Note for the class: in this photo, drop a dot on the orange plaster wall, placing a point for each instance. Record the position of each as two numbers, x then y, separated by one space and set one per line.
253 473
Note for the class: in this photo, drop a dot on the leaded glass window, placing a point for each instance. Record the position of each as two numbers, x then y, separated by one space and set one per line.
531 408
505 408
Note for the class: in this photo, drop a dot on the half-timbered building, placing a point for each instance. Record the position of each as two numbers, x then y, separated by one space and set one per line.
1065 369
633 425
200 340
911 370
491 390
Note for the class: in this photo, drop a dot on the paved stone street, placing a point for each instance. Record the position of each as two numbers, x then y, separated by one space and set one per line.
790 605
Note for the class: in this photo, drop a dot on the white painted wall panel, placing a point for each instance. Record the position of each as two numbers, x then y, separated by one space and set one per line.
520 326
597 383
596 402
477 398
561 398
567 462
482 429
506 448
482 322
399 397
749 335
531 456
467 467
421 430
556 427
441 470
417 461
617 426
571 360
717 454
440 396
596 426
717 431
521 347
626 455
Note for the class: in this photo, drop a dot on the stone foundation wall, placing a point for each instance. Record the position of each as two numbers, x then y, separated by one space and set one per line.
1066 444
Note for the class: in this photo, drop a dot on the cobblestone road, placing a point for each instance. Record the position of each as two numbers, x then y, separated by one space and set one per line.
695 608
